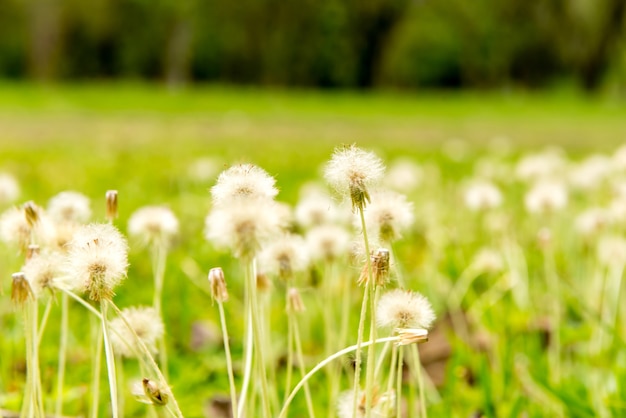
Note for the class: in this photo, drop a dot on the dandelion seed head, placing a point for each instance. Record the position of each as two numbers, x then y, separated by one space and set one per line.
156 225
243 181
488 260
69 207
388 215
549 164
284 256
404 309
404 176
546 197
9 189
147 325
327 242
589 173
243 227
482 196
44 271
611 251
592 221
316 209
15 228
352 172
97 260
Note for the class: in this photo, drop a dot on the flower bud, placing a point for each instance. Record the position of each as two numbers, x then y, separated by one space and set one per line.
218 285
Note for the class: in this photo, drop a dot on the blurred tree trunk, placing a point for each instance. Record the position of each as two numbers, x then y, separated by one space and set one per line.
374 25
593 68
178 53
45 38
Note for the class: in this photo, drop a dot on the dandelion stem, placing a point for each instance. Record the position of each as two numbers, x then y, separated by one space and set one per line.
555 310
44 321
248 360
326 361
417 366
58 410
399 375
110 359
159 254
229 361
307 392
97 362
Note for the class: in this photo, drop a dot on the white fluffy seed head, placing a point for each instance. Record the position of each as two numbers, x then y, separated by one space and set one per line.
327 242
404 175
285 256
243 182
44 271
69 207
488 260
611 251
156 225
316 209
545 165
482 196
147 325
388 215
9 189
592 221
16 230
546 197
352 172
590 172
97 260
404 309
243 227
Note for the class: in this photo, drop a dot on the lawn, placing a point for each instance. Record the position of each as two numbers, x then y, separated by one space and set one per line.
157 146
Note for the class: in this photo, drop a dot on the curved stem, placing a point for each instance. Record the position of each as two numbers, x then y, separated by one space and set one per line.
248 361
110 359
326 361
44 321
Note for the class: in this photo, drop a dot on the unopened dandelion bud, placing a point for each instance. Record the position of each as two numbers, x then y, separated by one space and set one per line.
111 205
32 251
263 283
380 268
218 285
154 393
411 336
31 211
294 301
21 290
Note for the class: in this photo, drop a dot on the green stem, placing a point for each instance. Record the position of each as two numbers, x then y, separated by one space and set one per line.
158 261
58 410
289 371
417 366
248 359
390 377
44 321
229 361
256 336
307 392
323 363
97 364
555 310
110 359
357 360
399 376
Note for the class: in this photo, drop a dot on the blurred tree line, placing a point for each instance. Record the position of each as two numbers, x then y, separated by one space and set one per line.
327 43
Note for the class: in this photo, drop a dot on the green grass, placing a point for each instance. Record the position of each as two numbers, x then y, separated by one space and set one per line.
142 139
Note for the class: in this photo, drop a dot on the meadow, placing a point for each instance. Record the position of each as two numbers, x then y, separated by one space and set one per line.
526 288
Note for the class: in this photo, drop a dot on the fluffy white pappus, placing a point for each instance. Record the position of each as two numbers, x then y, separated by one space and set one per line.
611 251
9 189
316 209
69 207
546 197
16 230
404 175
482 195
548 164
388 215
44 271
617 211
97 260
204 169
381 404
400 308
589 173
147 325
592 221
488 260
352 171
284 256
244 226
243 182
328 242
153 225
